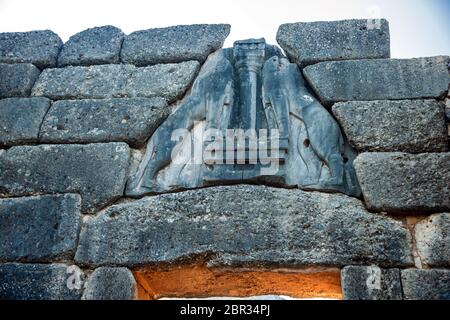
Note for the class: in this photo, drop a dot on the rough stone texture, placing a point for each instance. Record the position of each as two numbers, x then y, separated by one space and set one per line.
173 44
243 225
412 126
99 45
80 121
20 119
110 284
96 82
310 42
36 282
426 284
169 81
96 171
379 79
400 182
40 48
371 283
39 229
433 240
16 80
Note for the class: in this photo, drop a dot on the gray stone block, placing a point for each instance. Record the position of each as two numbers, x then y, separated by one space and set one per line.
39 229
241 225
371 283
40 48
173 44
169 81
97 172
16 80
413 126
405 183
310 42
426 284
106 120
20 119
433 240
99 45
38 282
110 284
95 82
379 79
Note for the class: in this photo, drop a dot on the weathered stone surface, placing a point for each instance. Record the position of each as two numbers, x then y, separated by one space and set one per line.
96 82
37 282
433 240
310 42
412 126
39 229
269 226
400 182
16 80
20 119
426 284
371 283
169 81
110 284
78 121
173 44
379 79
40 48
96 171
99 45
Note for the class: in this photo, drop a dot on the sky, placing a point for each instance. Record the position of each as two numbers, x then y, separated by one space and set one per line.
419 28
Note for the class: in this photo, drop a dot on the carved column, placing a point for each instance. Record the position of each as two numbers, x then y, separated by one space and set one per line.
249 58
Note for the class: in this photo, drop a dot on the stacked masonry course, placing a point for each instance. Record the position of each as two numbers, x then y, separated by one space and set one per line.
74 117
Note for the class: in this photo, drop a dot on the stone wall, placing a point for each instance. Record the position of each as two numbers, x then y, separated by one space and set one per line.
74 122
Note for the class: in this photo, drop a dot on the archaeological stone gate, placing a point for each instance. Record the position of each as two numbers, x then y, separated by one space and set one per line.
160 165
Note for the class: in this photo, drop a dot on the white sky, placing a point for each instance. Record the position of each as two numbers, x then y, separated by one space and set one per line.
418 27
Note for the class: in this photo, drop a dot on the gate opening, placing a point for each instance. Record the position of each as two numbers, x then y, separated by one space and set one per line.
199 281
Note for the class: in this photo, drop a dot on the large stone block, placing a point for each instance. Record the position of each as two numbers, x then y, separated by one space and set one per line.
412 126
371 283
241 225
405 183
16 80
40 48
426 284
39 282
173 44
169 81
21 119
39 229
433 240
106 120
110 284
310 42
379 79
99 45
96 82
96 171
